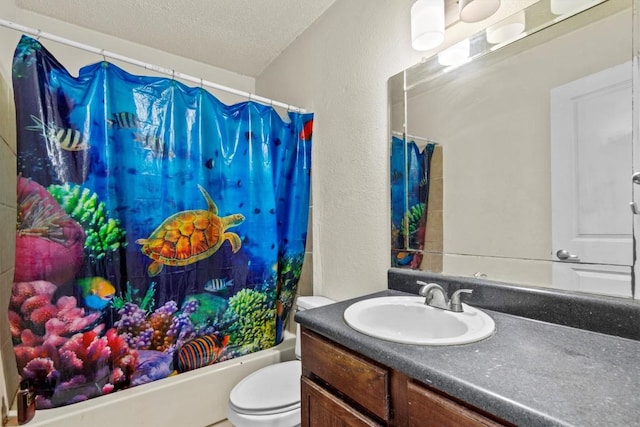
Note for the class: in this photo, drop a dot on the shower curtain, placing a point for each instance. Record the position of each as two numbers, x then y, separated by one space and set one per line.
158 230
410 171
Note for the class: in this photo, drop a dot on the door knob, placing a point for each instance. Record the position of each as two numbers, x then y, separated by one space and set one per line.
565 255
635 178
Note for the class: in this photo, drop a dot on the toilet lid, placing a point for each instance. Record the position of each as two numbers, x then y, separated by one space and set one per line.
269 390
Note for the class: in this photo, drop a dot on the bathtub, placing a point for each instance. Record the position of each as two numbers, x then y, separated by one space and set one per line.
193 399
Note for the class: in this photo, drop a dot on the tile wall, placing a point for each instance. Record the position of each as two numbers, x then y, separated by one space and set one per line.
8 374
433 246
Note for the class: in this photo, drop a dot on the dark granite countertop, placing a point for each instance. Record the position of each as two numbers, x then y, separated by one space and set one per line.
530 372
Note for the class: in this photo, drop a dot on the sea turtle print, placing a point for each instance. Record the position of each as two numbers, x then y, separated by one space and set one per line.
190 236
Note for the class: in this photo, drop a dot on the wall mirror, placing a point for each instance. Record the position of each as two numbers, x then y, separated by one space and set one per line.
531 178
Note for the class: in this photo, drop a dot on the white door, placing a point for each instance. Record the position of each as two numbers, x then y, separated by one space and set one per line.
591 168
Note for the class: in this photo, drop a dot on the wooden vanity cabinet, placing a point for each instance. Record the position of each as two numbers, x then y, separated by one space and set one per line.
336 380
342 388
428 408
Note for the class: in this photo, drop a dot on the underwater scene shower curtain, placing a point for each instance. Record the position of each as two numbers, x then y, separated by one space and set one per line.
158 229
410 169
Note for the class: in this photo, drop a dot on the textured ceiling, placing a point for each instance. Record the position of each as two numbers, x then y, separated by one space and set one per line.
243 36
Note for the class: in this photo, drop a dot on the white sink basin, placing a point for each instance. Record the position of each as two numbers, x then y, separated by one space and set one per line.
406 319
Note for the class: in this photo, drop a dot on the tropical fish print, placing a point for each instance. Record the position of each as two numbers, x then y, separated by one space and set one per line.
217 285
155 144
67 138
403 258
202 351
97 292
86 316
307 130
124 120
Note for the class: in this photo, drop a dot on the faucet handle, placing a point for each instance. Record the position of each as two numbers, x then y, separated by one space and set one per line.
423 286
456 304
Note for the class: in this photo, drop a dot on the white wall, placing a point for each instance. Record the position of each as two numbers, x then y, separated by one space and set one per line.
73 58
339 69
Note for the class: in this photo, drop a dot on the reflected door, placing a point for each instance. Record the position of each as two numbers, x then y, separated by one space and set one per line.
591 126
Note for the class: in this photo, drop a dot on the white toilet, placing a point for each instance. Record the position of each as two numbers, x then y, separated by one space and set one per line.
271 396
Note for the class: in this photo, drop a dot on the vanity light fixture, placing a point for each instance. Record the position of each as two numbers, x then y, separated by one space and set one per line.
477 10
507 30
456 54
427 24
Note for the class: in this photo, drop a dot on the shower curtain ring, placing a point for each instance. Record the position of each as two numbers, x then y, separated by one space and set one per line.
201 83
104 58
38 35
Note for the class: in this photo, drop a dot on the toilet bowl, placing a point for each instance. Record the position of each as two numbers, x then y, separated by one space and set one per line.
271 396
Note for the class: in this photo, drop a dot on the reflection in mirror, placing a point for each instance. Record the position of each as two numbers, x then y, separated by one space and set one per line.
538 133
412 196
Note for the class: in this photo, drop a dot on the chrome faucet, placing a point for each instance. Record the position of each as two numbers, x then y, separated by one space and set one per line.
435 296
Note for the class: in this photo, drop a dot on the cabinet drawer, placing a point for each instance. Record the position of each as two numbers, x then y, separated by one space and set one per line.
320 409
361 381
427 408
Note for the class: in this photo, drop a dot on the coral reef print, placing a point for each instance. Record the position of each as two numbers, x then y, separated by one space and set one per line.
158 230
49 243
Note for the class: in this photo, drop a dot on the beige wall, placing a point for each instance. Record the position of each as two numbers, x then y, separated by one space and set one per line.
339 69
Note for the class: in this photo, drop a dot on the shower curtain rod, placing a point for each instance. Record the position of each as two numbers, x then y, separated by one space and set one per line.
419 138
156 68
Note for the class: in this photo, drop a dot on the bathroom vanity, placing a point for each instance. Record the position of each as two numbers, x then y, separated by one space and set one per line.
538 369
340 386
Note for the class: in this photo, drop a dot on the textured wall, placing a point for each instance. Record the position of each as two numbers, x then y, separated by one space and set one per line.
339 70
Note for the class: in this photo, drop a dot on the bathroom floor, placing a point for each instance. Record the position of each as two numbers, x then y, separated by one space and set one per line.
224 423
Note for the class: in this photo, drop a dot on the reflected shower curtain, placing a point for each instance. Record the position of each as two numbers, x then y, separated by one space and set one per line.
410 170
158 230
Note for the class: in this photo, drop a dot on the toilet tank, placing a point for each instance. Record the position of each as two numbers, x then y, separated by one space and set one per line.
305 303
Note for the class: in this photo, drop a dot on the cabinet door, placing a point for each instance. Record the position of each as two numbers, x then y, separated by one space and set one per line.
364 382
427 409
322 409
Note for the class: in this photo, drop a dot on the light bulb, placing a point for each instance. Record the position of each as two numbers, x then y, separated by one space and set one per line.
507 29
477 10
456 54
427 24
